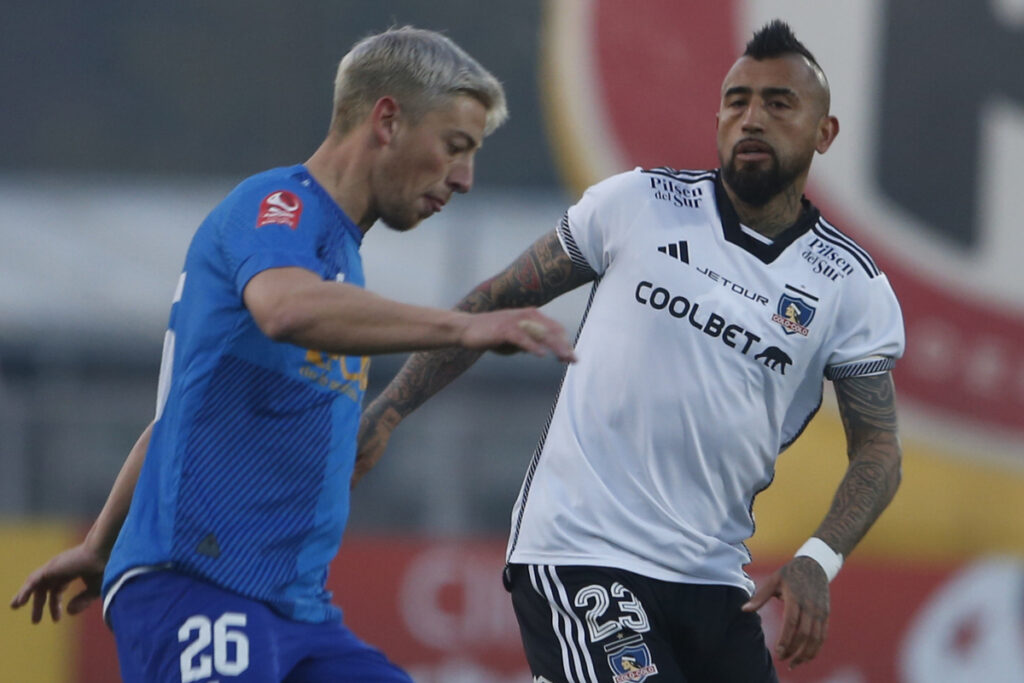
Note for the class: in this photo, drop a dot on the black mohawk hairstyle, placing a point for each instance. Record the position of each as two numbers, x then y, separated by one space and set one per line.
775 39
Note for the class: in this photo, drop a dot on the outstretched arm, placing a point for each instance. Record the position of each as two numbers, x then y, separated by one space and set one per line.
868 410
88 559
296 306
541 273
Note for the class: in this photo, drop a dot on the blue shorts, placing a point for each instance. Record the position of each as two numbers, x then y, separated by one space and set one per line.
171 628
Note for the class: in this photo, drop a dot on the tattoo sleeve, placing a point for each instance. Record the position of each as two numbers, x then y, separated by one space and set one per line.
541 273
868 410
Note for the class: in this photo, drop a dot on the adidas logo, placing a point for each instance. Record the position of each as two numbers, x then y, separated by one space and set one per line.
209 547
679 250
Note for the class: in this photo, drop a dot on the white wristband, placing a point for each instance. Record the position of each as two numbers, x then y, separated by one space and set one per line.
820 552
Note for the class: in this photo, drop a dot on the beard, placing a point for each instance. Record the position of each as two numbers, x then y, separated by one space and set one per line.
756 185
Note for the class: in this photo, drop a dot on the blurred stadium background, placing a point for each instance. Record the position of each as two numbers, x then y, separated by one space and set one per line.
123 123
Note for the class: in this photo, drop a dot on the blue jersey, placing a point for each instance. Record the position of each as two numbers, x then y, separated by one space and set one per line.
246 481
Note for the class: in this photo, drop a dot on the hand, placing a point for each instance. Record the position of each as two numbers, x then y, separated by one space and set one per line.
803 588
50 581
375 427
517 329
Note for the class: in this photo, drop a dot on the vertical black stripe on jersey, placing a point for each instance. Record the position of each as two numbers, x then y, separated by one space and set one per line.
573 249
753 524
807 421
535 460
767 253
750 505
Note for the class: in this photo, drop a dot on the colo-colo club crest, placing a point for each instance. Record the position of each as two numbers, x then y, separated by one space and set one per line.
630 661
794 314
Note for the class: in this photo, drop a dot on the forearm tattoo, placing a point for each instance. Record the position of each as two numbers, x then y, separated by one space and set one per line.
868 410
541 273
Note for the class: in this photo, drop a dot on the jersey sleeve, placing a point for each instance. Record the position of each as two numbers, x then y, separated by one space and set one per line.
868 336
270 229
593 228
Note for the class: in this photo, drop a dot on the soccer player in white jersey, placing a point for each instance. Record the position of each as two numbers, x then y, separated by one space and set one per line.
721 301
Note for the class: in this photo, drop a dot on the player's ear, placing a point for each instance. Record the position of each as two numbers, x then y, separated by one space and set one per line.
828 129
384 119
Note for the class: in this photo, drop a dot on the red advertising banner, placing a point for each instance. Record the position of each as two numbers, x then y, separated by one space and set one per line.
438 608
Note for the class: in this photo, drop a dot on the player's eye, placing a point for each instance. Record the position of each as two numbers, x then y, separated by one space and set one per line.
456 147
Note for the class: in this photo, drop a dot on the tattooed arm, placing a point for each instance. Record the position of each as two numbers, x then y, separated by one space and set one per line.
867 406
541 273
868 410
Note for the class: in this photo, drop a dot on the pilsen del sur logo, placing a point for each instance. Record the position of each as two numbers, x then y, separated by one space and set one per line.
913 205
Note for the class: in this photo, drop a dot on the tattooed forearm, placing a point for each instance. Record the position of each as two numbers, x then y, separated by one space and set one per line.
868 410
422 376
541 273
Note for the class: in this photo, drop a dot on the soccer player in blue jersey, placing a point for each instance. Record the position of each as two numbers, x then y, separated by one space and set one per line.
232 503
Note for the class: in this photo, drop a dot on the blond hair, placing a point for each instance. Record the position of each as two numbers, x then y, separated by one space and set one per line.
421 69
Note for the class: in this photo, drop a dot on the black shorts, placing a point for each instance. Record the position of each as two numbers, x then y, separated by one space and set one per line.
602 625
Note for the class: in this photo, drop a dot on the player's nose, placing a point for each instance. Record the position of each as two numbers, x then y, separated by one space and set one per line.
752 119
460 176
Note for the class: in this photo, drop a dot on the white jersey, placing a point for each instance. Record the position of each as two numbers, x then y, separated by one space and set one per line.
701 355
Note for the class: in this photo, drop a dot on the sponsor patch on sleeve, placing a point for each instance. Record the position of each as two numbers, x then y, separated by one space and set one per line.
280 207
